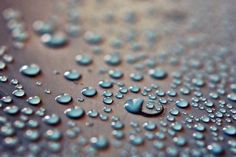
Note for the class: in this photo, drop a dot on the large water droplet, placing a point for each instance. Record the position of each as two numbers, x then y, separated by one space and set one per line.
30 70
64 98
75 112
89 91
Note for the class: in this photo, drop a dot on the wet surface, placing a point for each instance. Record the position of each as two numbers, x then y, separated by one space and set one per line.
71 70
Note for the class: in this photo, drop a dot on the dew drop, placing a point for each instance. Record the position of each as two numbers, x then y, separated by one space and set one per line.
157 73
64 98
75 112
72 75
99 142
182 103
30 70
89 91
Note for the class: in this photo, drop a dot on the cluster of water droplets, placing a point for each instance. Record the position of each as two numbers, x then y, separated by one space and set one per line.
151 103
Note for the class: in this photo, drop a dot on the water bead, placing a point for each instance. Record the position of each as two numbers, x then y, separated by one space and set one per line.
136 77
177 126
54 146
155 111
2 65
116 74
117 125
99 142
158 145
107 100
134 89
55 40
157 73
32 135
7 130
118 134
172 151
30 70
72 75
113 59
198 82
42 27
75 112
215 148
123 90
93 114
174 112
171 93
182 103
7 99
105 84
52 119
93 38
83 60
53 134
180 141
103 117
89 91
18 93
232 97
134 105
34 100
150 126
136 140
10 141
230 130
233 87
11 110
107 93
185 91
3 78
64 98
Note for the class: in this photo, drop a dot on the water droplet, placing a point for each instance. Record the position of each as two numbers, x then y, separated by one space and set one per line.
229 130
117 125
52 119
93 38
157 73
107 100
42 27
30 70
72 75
55 40
18 93
116 74
136 140
154 110
215 148
89 91
6 99
75 112
64 98
182 103
150 126
105 84
134 105
83 60
113 59
99 142
53 134
11 110
232 97
34 100
136 77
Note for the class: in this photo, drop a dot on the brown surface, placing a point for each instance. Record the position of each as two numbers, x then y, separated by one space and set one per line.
63 59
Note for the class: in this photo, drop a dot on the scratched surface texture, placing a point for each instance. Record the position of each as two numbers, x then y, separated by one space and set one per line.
188 36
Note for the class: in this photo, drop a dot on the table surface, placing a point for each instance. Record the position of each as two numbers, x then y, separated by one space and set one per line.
192 37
